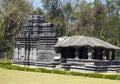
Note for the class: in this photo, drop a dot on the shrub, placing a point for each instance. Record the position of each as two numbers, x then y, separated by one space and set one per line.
17 68
68 73
31 69
5 63
111 77
118 78
85 74
77 73
59 72
45 70
95 75
37 70
7 67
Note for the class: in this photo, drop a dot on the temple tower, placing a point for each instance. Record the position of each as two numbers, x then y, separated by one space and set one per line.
36 41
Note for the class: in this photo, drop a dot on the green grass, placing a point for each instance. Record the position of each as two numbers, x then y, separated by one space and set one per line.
22 77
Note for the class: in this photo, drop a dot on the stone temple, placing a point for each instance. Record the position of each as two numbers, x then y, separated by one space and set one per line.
36 41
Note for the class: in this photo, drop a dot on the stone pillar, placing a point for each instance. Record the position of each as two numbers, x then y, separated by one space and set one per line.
107 55
18 53
22 54
76 53
113 55
26 56
90 53
95 53
101 54
23 51
31 55
15 54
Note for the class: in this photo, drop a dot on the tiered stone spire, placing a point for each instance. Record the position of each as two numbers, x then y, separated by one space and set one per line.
36 41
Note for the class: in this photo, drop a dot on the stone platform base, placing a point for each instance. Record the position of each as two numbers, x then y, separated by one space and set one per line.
86 66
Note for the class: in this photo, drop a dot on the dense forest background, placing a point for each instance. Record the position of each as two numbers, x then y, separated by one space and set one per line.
100 18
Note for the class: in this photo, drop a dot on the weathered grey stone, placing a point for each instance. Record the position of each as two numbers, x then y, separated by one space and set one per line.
36 41
46 56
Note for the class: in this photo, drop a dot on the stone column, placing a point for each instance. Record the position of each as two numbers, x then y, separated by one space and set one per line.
26 56
107 55
101 54
22 54
113 55
76 53
31 55
15 54
90 53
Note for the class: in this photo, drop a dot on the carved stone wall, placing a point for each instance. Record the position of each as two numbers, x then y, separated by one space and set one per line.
36 41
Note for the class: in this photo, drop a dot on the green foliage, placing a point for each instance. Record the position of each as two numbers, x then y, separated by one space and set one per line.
37 70
2 64
113 77
38 11
12 15
59 72
1 30
95 75
45 70
77 73
51 7
118 77
59 12
68 73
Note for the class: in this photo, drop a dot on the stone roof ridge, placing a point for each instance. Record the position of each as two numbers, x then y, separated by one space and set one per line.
62 38
85 41
36 17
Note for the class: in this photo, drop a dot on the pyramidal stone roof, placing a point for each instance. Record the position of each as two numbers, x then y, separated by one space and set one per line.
37 32
79 41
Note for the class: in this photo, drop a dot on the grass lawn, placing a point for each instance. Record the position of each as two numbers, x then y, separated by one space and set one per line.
21 77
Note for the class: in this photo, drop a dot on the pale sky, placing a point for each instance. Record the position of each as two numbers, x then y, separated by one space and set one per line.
37 3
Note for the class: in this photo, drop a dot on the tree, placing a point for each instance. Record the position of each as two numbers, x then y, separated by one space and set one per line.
67 11
52 8
38 11
82 18
59 13
113 21
13 14
99 21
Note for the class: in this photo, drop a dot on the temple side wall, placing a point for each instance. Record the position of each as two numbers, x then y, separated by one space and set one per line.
22 55
46 56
